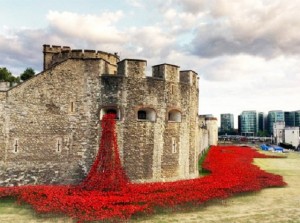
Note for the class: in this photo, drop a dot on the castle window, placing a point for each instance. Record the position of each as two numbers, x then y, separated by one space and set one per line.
172 88
174 148
142 114
174 116
72 107
58 145
16 146
146 114
110 110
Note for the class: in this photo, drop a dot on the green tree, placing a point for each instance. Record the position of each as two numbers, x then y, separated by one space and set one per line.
262 133
28 73
5 74
13 79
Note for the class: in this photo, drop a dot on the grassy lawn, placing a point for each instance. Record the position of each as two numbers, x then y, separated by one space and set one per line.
268 205
10 212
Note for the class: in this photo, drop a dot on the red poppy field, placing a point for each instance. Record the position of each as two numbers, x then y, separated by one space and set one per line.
107 194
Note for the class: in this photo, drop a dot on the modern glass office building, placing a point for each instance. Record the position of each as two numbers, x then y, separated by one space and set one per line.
292 119
297 118
261 122
227 122
289 118
249 123
274 116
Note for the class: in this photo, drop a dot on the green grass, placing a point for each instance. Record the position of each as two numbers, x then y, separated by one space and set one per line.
202 171
6 204
11 212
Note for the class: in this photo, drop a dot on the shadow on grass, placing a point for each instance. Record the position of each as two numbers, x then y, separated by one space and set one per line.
10 206
203 172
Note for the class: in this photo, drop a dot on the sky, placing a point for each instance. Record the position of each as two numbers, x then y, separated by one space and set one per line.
246 52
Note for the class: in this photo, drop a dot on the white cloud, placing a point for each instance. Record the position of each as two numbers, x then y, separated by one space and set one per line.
254 27
192 6
89 27
150 41
135 3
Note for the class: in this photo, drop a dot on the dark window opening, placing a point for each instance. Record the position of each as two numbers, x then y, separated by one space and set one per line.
142 115
110 110
174 147
16 146
58 145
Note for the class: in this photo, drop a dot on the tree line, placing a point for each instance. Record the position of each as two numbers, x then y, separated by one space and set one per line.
7 76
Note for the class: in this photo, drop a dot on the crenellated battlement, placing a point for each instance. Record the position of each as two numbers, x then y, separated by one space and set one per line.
55 54
112 65
168 72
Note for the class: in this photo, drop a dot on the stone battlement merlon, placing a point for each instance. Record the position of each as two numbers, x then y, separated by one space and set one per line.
189 76
169 72
132 67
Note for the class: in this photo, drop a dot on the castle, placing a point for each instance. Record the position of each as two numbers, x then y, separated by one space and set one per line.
50 124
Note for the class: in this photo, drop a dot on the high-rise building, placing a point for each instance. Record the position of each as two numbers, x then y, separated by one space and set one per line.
297 118
249 123
274 116
239 124
227 123
261 122
289 118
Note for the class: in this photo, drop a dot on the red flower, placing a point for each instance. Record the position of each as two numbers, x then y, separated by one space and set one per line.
106 193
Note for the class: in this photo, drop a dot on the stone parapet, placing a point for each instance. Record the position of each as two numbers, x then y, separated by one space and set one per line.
55 54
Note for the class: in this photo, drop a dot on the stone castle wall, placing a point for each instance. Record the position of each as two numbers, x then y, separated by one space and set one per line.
2 125
50 128
50 124
212 128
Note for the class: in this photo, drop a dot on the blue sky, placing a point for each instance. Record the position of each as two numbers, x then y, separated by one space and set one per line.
246 52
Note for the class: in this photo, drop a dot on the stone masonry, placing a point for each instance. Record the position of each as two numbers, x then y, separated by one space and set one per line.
50 124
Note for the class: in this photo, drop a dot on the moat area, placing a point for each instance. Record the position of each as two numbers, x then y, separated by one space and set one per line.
268 205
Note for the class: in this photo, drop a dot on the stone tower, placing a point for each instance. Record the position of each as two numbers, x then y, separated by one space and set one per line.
50 124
